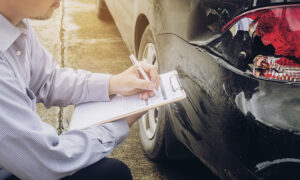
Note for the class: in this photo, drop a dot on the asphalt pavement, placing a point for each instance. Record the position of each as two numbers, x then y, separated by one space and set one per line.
78 39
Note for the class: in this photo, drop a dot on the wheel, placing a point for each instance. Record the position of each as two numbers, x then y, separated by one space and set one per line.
102 11
152 124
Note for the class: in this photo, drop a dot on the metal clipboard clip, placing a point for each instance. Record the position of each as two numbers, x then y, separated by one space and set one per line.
175 83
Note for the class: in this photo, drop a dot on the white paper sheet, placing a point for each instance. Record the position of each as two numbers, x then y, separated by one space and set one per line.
122 106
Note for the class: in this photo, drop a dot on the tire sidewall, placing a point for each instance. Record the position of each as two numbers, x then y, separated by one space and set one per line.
154 147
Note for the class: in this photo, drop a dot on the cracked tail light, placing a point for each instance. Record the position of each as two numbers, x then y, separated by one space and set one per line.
276 68
278 28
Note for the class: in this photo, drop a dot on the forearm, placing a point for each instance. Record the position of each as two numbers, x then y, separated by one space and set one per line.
66 86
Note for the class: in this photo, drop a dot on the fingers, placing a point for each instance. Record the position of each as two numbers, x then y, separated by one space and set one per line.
146 95
143 84
153 72
153 76
146 66
133 82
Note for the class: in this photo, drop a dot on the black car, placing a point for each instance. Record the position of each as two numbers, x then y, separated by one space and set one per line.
239 63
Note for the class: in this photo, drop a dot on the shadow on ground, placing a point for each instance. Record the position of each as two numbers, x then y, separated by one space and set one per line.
190 169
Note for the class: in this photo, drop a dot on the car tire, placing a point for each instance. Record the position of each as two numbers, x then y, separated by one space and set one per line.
102 10
153 142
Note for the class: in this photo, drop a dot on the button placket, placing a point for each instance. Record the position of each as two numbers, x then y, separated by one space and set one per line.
18 52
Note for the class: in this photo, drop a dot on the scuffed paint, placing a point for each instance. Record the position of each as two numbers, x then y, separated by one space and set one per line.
266 164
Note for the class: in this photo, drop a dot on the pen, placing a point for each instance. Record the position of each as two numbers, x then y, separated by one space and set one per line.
135 62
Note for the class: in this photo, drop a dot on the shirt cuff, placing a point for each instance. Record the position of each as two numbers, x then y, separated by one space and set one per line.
98 87
114 132
119 130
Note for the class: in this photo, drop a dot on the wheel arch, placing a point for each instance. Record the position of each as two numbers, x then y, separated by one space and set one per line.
172 147
141 23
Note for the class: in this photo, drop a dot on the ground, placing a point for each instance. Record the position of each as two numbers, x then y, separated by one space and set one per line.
77 39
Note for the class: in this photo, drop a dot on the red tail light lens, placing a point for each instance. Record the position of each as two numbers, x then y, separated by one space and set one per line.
278 27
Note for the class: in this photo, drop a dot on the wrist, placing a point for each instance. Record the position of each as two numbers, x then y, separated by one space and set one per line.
113 85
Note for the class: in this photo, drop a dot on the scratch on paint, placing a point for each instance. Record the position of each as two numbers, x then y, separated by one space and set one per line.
266 164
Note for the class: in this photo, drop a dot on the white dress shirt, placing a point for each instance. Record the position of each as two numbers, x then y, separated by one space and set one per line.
30 148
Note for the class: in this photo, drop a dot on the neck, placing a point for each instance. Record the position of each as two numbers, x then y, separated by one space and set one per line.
10 14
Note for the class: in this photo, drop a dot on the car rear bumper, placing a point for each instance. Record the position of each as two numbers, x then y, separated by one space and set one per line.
239 126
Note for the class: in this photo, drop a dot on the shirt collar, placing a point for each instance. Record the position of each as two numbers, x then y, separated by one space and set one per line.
10 33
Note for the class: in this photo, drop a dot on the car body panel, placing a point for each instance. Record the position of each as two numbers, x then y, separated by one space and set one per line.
203 103
242 140
198 20
223 120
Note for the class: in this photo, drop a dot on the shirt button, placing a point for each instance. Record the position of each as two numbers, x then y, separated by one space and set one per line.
18 53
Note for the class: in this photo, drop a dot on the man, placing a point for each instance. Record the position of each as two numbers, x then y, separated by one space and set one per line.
30 148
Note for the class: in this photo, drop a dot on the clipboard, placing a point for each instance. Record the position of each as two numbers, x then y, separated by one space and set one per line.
119 107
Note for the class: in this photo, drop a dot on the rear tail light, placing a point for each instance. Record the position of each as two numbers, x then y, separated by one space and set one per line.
277 28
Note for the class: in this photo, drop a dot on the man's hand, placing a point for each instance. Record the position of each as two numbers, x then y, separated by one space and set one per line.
132 119
131 82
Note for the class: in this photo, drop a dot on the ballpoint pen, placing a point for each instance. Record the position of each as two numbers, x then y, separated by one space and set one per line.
135 62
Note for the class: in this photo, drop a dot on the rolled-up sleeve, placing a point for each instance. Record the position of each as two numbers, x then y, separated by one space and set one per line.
31 149
58 86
